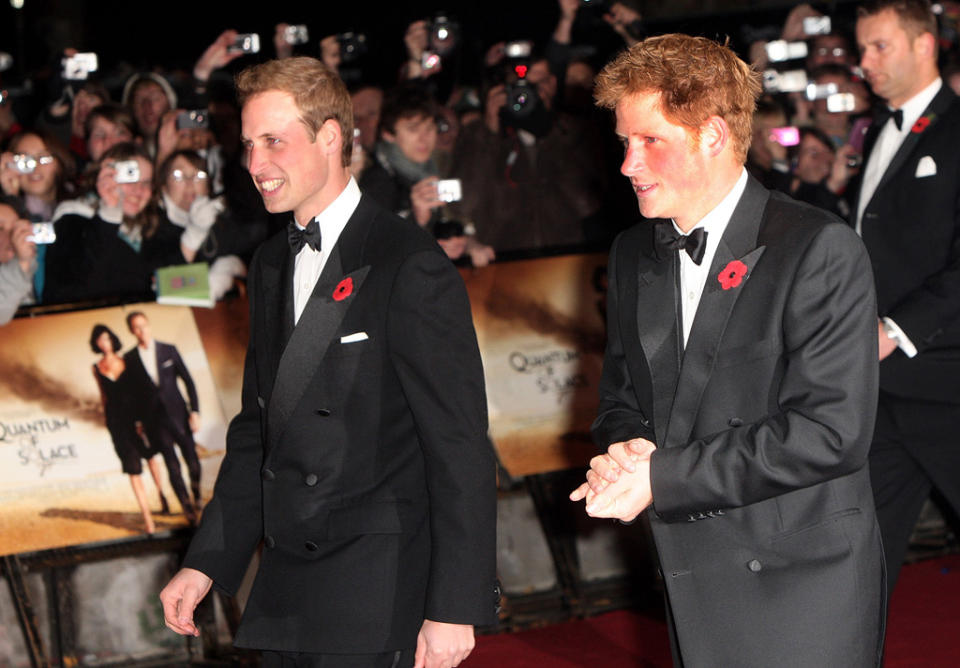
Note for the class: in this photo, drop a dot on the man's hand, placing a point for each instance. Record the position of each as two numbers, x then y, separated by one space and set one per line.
840 171
9 176
496 99
620 17
107 188
217 55
423 199
194 421
24 250
618 483
180 598
480 254
441 645
887 345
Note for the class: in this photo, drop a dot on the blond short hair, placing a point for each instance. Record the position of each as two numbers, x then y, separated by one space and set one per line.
319 93
696 77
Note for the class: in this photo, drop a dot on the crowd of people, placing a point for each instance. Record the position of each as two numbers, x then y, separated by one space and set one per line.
528 172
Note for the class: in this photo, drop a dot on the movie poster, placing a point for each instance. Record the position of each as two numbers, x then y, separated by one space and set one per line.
540 326
83 452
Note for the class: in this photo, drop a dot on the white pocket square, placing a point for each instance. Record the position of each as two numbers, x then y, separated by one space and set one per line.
167 363
926 167
353 338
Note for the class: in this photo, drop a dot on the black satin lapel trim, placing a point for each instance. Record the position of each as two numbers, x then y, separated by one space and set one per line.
713 313
286 307
658 331
936 108
308 344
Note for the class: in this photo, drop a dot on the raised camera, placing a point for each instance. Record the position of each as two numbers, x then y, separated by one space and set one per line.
444 34
816 25
296 34
27 164
793 81
449 190
79 66
43 233
192 120
352 46
518 49
127 171
781 50
246 43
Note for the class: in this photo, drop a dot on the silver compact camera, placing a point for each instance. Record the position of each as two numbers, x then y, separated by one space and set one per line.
449 190
43 233
296 34
781 50
792 81
79 66
246 43
27 164
192 120
128 171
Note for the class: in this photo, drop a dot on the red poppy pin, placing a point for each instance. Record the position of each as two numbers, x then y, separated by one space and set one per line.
920 125
732 274
343 290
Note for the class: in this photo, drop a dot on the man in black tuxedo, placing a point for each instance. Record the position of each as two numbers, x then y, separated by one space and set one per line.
153 368
907 210
360 457
739 383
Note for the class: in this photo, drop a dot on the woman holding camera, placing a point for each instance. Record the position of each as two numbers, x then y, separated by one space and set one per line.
114 251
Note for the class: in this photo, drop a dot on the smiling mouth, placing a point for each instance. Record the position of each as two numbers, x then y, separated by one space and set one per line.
641 188
270 186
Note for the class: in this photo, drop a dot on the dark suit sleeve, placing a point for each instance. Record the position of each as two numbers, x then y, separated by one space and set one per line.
231 527
184 374
620 417
826 396
434 351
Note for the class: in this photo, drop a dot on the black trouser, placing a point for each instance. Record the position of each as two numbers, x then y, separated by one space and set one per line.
164 431
916 448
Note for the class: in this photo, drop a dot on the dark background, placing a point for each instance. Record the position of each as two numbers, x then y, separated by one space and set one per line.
173 33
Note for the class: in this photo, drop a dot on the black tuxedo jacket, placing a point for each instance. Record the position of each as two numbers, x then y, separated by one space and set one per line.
360 456
911 228
149 397
763 513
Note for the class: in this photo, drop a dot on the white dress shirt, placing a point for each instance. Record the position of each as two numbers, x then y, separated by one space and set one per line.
148 356
887 144
309 263
693 277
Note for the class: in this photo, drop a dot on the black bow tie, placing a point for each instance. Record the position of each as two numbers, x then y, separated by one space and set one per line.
309 236
694 243
884 113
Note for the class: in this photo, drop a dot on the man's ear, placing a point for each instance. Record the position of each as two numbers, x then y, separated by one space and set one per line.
330 136
714 135
925 44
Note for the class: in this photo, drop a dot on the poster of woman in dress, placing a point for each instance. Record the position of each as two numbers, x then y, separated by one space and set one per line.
111 426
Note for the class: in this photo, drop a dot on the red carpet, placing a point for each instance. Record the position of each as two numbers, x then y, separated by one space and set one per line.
924 631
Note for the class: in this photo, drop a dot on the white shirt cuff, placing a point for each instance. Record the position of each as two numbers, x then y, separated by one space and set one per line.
903 341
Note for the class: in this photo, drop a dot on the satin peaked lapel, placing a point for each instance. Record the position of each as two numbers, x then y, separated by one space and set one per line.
309 341
658 332
934 111
277 295
739 242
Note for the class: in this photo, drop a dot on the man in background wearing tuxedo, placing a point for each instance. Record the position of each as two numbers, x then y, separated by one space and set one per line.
739 383
907 210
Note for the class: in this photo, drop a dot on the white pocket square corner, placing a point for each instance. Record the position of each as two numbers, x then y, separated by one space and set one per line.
926 167
353 338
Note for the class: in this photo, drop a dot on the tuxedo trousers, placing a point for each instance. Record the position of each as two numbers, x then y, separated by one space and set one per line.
915 449
397 659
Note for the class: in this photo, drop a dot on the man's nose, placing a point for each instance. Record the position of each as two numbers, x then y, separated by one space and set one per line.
631 162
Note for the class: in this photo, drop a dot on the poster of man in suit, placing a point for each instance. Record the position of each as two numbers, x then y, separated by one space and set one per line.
739 383
69 446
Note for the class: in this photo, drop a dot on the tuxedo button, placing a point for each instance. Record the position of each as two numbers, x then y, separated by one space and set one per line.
261 403
311 546
754 565
645 422
268 475
311 479
735 422
270 542
323 412
871 216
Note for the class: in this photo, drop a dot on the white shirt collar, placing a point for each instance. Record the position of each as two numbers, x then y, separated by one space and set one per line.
715 222
916 105
334 218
